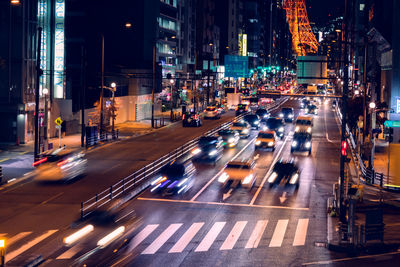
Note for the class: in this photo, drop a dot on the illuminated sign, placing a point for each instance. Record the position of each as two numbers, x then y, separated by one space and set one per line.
398 105
242 44
59 50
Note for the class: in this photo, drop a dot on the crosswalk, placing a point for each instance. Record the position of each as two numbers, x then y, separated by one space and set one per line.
176 238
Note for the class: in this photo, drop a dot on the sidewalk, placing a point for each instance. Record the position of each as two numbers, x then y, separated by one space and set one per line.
382 164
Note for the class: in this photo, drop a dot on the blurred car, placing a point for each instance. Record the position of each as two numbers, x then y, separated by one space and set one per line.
285 171
304 124
191 119
304 103
334 103
60 165
301 142
275 124
212 113
241 127
252 120
209 148
287 114
174 178
230 138
241 108
239 172
263 113
265 139
311 109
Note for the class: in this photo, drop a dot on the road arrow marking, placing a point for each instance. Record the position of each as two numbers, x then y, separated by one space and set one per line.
225 196
283 197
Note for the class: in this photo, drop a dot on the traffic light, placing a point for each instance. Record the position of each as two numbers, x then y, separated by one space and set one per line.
344 148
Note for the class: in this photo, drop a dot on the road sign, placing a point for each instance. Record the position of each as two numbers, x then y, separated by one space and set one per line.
236 66
58 121
392 123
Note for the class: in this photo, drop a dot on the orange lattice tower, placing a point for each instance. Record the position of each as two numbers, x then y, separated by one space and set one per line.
303 39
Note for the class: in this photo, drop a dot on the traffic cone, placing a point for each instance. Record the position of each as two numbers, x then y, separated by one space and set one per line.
17 143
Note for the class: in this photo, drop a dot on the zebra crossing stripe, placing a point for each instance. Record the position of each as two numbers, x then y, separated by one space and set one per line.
233 236
301 232
17 237
209 239
186 238
157 244
70 252
256 235
142 235
279 233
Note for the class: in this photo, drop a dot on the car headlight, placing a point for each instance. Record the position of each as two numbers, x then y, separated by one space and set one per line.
294 143
265 115
245 131
290 115
270 143
309 129
258 142
157 180
297 129
231 140
212 153
281 129
196 151
308 144
182 182
256 122
265 128
294 178
248 179
315 111
306 110
224 176
281 115
272 177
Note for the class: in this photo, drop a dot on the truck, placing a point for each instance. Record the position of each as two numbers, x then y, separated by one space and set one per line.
311 89
232 100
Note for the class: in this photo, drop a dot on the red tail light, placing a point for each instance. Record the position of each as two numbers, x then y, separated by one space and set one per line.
39 162
62 162
195 117
183 116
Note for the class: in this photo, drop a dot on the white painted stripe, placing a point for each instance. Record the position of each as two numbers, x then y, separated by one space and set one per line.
17 237
209 239
11 255
257 234
142 235
157 244
279 233
233 236
70 252
301 233
186 238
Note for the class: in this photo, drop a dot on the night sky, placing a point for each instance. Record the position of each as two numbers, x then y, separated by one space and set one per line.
321 11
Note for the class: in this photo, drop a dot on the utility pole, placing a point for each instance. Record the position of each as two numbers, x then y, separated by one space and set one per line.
37 89
154 84
102 84
83 95
366 21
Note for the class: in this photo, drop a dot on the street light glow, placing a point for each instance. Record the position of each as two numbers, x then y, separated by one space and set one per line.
113 85
128 25
15 2
45 91
2 243
356 92
372 105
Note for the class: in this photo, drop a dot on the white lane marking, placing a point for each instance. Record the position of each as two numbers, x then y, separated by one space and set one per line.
220 203
301 233
256 235
209 239
142 235
70 252
11 255
269 171
159 241
220 172
17 237
233 236
279 234
186 238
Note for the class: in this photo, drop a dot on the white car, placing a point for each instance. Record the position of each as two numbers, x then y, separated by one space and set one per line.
212 113
239 172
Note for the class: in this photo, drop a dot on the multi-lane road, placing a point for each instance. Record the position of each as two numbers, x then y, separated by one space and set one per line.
207 226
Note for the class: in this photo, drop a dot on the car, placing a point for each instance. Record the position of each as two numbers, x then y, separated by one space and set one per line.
263 113
311 109
174 178
209 148
285 171
304 103
301 142
275 124
253 120
230 138
239 173
242 127
303 124
287 114
265 139
59 165
212 113
191 119
334 103
241 108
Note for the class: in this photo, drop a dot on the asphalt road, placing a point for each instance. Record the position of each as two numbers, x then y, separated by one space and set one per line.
277 226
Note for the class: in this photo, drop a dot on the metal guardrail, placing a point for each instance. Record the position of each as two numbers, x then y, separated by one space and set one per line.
139 179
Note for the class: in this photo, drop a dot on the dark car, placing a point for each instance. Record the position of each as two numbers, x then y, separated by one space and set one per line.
230 138
285 171
311 109
277 125
241 108
263 113
301 142
304 103
174 178
209 148
191 119
253 120
287 114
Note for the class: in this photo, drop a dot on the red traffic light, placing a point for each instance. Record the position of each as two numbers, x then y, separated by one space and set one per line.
344 148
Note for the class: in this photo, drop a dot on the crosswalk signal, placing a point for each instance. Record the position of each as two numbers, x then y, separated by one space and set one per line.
344 148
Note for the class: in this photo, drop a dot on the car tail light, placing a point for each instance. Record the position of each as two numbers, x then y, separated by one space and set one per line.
183 116
196 117
39 162
61 163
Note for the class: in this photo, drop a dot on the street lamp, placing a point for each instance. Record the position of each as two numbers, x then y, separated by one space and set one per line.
372 105
172 102
45 92
113 89
2 252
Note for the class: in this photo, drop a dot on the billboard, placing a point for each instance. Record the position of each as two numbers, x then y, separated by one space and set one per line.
312 70
236 66
242 44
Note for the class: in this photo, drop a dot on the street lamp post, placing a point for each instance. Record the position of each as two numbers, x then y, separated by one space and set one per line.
171 100
113 89
45 92
102 84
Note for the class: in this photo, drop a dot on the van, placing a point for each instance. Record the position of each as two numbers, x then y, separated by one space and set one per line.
303 124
